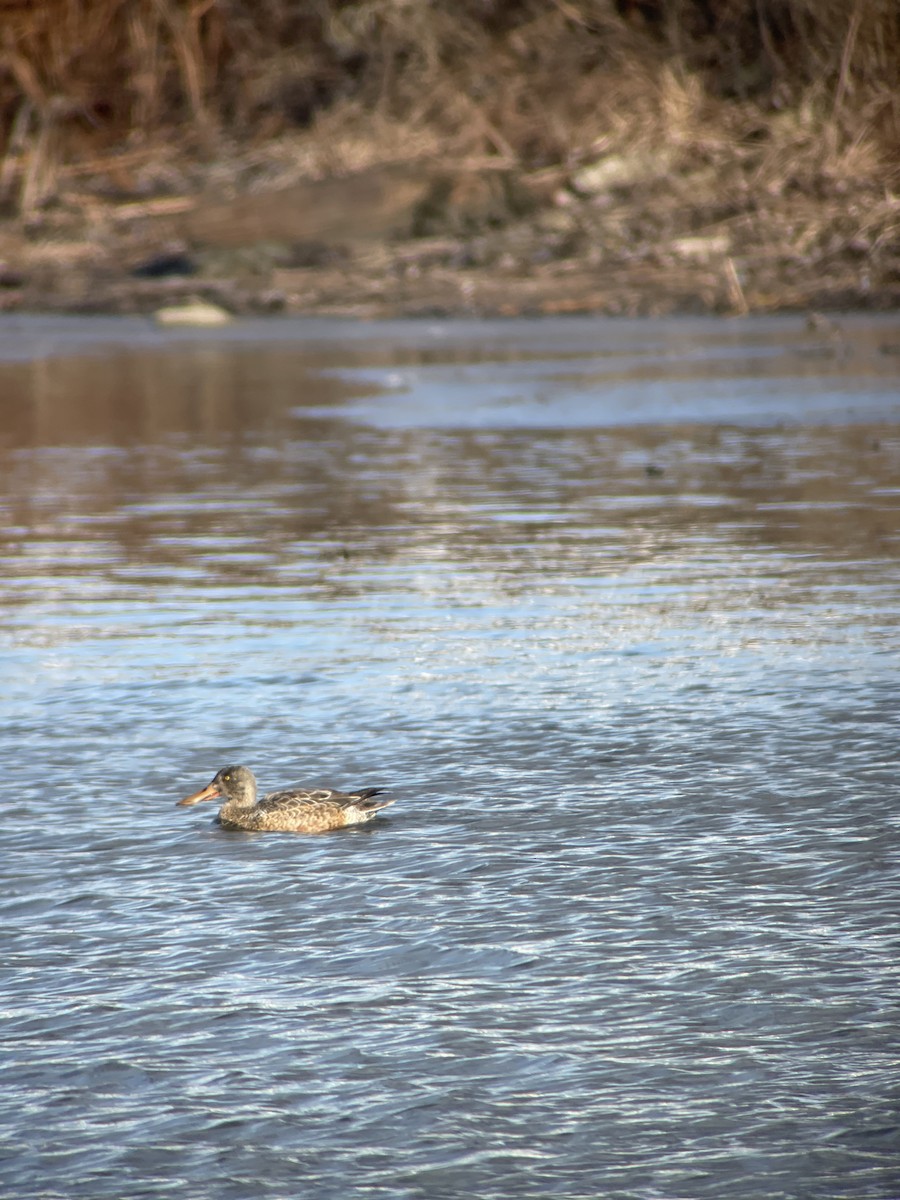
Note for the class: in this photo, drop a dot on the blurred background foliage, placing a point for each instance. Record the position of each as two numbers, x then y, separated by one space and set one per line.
532 84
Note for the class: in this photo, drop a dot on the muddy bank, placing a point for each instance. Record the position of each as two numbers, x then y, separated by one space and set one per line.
616 236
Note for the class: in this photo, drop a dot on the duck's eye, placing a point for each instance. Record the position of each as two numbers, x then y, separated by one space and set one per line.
226 778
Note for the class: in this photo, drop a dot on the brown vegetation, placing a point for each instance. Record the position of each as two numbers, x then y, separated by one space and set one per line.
619 155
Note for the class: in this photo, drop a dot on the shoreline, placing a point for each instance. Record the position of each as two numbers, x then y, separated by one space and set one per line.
408 240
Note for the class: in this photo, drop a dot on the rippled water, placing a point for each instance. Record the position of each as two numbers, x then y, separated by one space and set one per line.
610 607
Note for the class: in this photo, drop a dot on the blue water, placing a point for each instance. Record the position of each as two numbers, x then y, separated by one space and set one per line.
610 608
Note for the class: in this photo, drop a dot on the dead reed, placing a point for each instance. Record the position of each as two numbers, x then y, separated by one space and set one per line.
773 125
529 83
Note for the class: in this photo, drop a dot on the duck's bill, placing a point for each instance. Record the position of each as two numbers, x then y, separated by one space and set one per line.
210 792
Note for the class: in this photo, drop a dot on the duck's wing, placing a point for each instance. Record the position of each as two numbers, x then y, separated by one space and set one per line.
293 798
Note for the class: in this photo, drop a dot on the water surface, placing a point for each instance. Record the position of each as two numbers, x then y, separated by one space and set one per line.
610 607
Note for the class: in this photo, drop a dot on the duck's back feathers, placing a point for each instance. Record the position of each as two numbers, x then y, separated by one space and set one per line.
291 797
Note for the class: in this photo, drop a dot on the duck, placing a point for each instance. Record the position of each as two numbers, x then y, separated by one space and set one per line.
293 810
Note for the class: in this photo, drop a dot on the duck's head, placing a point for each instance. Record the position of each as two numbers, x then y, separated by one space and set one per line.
233 783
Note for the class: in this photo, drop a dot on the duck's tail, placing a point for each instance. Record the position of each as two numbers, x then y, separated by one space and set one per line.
361 806
363 798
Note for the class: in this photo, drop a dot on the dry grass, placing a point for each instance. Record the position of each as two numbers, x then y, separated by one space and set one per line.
772 124
80 79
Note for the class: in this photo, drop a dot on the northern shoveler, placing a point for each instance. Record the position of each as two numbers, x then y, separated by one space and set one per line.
293 810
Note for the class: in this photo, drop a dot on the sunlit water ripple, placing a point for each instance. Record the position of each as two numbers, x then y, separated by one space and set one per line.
630 930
